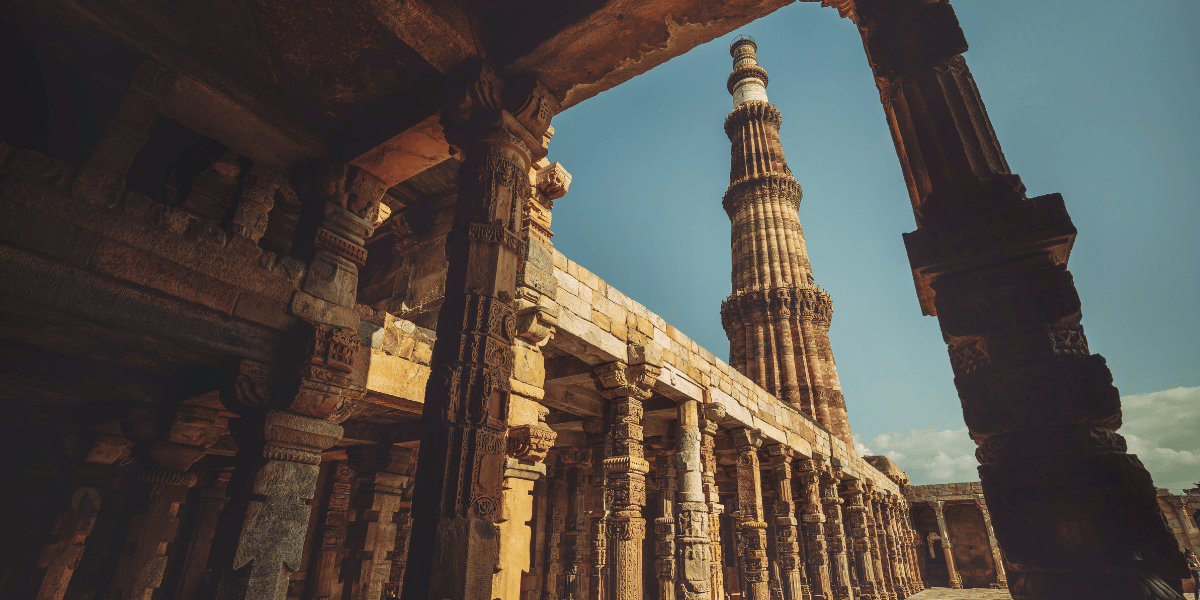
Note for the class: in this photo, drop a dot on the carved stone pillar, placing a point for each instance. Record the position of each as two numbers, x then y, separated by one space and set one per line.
253 204
371 533
399 553
528 442
58 558
710 415
692 539
326 567
664 524
600 444
900 562
575 537
838 565
497 125
787 536
751 529
916 567
990 263
195 570
864 565
997 559
103 176
947 550
261 536
626 386
817 551
883 566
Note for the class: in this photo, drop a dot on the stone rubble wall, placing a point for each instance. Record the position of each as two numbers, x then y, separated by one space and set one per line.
598 320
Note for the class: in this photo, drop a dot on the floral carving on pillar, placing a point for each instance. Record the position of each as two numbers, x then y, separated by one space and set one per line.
530 442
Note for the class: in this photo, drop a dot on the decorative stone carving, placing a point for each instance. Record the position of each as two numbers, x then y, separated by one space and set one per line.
787 535
710 415
326 390
530 442
856 512
816 549
552 180
253 203
751 529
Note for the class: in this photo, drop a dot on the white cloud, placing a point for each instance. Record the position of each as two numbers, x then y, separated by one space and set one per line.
1162 429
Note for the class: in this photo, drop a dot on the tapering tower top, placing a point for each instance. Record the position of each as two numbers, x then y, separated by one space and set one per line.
748 81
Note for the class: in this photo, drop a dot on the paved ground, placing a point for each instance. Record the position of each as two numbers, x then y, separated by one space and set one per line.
949 594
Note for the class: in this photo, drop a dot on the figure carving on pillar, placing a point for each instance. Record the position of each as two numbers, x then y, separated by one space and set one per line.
497 126
751 529
627 386
990 263
817 550
711 414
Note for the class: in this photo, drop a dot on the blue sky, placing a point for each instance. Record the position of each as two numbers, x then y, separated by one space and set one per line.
1089 99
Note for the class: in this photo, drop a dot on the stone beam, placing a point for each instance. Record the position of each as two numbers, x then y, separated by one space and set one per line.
580 55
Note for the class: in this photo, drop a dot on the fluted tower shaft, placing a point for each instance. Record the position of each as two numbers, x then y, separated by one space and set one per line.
777 319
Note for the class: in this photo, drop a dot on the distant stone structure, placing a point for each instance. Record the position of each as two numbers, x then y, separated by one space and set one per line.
283 319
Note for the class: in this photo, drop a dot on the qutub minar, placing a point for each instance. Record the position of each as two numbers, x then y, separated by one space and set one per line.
777 319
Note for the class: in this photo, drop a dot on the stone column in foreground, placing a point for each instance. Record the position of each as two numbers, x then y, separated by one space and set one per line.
856 512
991 264
939 509
498 127
787 536
710 415
692 540
997 559
627 386
814 528
839 566
751 529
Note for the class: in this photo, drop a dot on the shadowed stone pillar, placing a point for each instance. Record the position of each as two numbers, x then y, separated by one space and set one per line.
254 202
832 503
371 533
498 126
600 444
326 566
575 539
399 553
59 556
857 516
997 559
195 570
814 528
664 524
990 263
627 386
883 563
692 540
939 509
751 529
896 549
787 536
913 542
710 415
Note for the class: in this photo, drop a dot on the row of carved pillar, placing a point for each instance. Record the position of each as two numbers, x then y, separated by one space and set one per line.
612 525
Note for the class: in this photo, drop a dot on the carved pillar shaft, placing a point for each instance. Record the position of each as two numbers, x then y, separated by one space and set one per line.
399 554
692 540
711 414
575 538
326 570
814 529
752 530
990 263
599 575
627 386
195 571
997 559
939 509
371 532
664 524
787 536
879 545
834 535
253 204
859 532
461 468
895 541
59 556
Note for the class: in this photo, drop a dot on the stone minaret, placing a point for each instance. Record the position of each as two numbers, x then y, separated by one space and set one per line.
777 319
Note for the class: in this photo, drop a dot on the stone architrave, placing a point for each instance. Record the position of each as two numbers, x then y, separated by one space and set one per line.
627 386
997 558
692 540
103 175
497 125
576 462
991 264
831 503
664 524
787 535
817 550
751 529
260 538
939 509
856 511
710 415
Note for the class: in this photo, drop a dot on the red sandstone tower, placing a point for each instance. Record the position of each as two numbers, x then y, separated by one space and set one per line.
777 319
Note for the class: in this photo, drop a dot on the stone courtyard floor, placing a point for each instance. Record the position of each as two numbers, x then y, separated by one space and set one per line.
938 593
